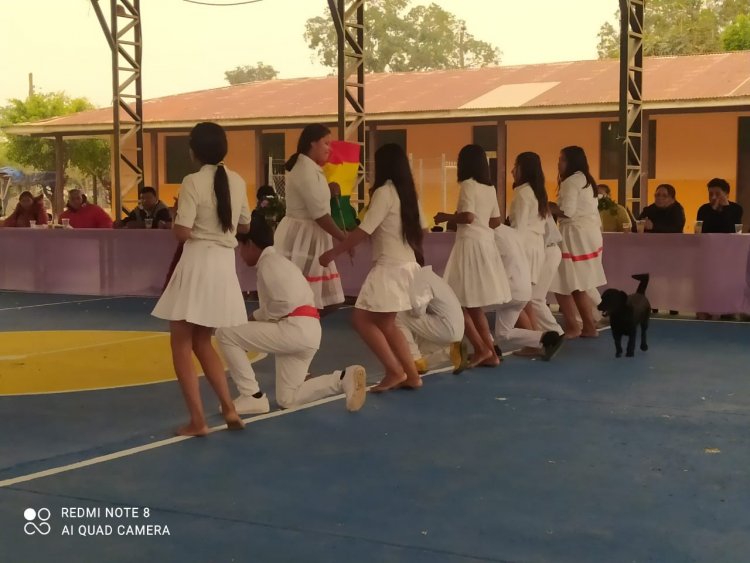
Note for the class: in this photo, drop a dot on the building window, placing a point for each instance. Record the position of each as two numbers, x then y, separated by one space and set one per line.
177 161
743 163
273 147
609 165
486 137
386 136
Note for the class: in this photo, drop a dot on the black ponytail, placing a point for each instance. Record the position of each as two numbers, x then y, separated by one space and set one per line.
208 141
223 197
310 134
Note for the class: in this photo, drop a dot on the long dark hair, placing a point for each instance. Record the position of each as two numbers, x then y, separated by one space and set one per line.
310 134
472 163
576 161
530 172
391 163
208 142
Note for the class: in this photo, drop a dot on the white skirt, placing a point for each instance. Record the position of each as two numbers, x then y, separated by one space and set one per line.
204 289
476 273
302 241
533 245
581 266
387 288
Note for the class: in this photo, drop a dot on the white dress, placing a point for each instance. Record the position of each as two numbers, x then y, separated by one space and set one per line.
525 218
300 239
204 288
387 288
475 269
581 266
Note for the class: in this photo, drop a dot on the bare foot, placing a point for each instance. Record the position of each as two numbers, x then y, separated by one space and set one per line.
411 383
389 382
587 334
572 335
493 361
233 420
192 430
479 359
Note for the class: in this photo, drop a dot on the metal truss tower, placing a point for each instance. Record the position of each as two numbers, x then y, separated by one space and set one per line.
349 20
631 102
123 34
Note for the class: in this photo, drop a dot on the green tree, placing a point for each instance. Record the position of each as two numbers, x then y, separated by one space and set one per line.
736 37
678 27
242 74
404 38
91 156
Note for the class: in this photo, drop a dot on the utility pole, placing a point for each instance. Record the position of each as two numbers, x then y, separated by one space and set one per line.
461 45
31 84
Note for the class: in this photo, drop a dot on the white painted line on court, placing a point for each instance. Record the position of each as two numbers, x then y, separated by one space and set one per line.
58 303
176 439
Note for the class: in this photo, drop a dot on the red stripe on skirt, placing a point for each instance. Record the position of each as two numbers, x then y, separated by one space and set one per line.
322 278
582 257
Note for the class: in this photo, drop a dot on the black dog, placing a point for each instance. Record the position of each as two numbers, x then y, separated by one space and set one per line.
625 313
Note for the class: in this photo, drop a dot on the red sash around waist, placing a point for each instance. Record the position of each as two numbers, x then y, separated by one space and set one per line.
305 311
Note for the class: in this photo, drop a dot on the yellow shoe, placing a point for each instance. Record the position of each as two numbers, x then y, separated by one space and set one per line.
421 365
459 357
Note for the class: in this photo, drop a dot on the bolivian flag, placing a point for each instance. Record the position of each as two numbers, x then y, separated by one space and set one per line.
341 168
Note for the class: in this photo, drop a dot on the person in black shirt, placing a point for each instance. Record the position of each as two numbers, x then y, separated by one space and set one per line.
719 215
665 215
151 207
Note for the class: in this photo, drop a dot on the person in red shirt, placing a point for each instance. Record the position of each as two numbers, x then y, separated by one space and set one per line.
29 209
84 215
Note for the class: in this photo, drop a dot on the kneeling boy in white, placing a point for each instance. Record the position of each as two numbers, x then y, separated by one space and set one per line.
517 267
287 325
435 323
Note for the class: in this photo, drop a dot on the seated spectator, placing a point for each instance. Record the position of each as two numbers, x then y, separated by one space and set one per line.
615 218
85 215
666 214
29 209
719 215
151 207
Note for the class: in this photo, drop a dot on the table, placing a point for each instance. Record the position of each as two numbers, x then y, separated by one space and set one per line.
708 273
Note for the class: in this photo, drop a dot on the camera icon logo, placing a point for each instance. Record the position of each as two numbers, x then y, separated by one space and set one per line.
36 521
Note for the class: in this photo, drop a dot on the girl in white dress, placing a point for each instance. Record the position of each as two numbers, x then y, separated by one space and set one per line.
529 209
475 269
394 224
203 292
307 229
580 226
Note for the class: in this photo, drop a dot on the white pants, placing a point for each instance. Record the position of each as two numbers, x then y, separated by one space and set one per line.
294 342
429 336
507 336
543 317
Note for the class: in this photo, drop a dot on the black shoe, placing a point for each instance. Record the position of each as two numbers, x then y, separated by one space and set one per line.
551 342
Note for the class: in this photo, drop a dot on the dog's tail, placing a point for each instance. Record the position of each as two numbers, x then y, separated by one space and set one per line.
643 278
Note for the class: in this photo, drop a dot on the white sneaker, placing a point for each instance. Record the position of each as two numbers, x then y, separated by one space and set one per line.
247 404
355 387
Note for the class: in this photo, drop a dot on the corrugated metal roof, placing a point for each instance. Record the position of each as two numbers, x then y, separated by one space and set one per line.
503 90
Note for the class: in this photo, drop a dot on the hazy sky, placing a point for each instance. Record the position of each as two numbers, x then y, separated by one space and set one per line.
188 47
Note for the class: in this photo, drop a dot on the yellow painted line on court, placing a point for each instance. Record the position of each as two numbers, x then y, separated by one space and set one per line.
43 362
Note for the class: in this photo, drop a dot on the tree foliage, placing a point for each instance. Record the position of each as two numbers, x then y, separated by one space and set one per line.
91 156
736 37
401 37
246 73
678 27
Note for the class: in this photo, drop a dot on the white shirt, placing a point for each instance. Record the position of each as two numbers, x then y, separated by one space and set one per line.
481 200
281 287
516 264
430 294
196 207
524 211
383 222
551 232
307 194
577 199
